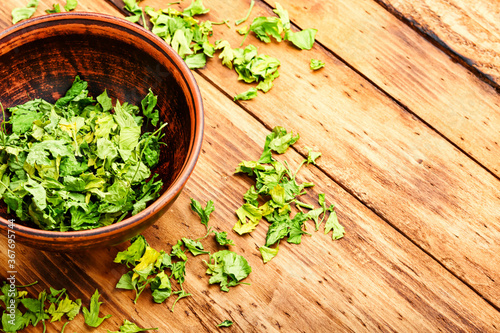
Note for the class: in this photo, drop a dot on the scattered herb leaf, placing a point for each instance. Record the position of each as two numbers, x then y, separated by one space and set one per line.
70 5
240 21
227 268
203 213
130 327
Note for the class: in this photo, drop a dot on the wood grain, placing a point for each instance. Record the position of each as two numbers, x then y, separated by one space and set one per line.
318 286
411 70
382 154
467 29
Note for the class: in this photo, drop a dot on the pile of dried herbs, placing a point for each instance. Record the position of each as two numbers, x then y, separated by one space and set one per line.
80 163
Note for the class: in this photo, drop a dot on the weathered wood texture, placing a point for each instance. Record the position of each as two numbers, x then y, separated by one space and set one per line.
318 286
390 160
466 28
397 59
375 279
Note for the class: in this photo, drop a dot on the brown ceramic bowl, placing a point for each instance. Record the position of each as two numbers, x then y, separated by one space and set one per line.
39 58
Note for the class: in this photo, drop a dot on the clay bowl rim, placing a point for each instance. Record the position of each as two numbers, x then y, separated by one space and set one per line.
180 181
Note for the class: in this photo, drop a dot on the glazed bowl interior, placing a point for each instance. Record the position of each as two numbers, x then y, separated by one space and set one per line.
40 58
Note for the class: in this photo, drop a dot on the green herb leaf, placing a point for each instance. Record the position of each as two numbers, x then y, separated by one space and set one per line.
332 223
249 217
240 21
178 252
312 156
70 5
161 288
221 238
203 213
180 294
197 60
227 54
266 27
19 14
278 140
195 8
148 104
316 64
56 8
92 316
65 307
283 15
227 268
133 253
106 103
304 39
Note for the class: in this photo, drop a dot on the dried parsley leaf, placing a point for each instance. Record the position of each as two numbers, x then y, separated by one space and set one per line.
23 13
195 247
268 253
70 5
221 238
129 327
332 223
240 21
316 64
195 8
203 213
227 268
304 39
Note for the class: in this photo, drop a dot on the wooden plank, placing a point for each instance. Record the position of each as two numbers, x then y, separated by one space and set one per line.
372 280
397 59
464 28
395 164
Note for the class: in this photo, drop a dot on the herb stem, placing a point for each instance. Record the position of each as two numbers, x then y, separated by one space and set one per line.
226 22
240 21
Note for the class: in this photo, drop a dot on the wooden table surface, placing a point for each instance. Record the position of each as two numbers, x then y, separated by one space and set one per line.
406 114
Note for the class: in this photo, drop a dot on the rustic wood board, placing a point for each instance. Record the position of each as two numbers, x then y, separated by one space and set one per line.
465 28
391 161
414 72
394 164
372 268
